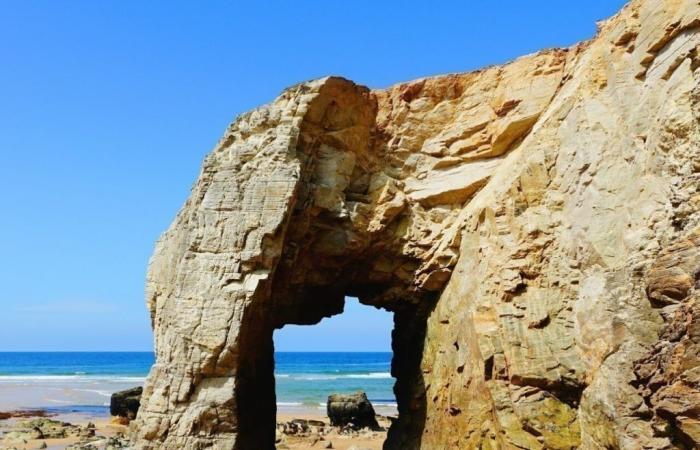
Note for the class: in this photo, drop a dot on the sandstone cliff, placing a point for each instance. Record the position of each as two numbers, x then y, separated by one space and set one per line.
534 227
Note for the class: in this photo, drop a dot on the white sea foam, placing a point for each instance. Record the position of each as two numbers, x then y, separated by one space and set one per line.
372 375
376 404
53 400
97 391
70 378
323 377
18 378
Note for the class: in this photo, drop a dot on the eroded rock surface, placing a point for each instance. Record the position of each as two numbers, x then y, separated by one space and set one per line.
351 409
126 403
532 226
669 374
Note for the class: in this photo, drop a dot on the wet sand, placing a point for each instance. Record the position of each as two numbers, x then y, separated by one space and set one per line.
362 439
333 438
78 401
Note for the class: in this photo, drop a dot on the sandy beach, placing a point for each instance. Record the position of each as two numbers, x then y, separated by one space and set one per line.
78 407
334 438
19 432
78 402
69 405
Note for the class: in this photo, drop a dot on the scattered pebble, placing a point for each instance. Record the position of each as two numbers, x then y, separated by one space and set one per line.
23 432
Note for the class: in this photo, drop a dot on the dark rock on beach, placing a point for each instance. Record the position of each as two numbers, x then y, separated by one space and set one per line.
4 415
126 403
351 409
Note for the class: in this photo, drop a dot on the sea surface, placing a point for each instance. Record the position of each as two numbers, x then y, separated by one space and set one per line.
82 382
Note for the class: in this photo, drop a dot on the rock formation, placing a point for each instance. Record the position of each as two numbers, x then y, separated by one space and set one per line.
533 227
126 403
354 409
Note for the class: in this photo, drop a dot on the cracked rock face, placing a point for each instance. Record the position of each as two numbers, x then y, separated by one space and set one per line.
533 227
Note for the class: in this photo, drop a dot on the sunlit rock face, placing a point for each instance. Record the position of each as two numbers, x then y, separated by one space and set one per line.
533 226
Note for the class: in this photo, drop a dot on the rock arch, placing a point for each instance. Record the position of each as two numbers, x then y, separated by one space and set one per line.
508 218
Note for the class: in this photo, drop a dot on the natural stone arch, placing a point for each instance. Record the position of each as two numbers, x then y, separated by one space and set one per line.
508 217
322 194
292 212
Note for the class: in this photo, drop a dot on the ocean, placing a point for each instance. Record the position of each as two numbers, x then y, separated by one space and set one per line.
82 382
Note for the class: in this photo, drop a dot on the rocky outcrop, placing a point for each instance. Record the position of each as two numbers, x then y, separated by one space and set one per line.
530 225
126 403
351 409
669 375
48 433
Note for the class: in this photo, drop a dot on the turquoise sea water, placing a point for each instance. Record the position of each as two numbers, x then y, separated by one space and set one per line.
83 381
308 378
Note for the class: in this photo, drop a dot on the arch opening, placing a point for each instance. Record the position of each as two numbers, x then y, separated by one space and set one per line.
315 215
389 374
345 353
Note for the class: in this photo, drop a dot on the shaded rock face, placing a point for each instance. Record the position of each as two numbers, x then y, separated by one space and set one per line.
669 374
355 409
531 226
126 403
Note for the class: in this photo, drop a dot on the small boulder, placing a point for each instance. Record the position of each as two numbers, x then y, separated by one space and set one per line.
355 409
126 403
86 432
116 442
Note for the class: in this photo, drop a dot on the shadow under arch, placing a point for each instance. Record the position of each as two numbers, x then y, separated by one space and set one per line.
407 342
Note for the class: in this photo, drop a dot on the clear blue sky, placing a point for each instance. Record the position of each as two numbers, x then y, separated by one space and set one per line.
108 107
360 328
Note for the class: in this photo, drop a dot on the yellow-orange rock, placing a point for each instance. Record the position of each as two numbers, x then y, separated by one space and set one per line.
531 226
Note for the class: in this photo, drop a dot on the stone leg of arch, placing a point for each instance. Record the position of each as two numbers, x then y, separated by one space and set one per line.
407 341
212 288
212 385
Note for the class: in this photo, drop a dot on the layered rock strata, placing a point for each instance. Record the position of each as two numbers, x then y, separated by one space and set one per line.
532 226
